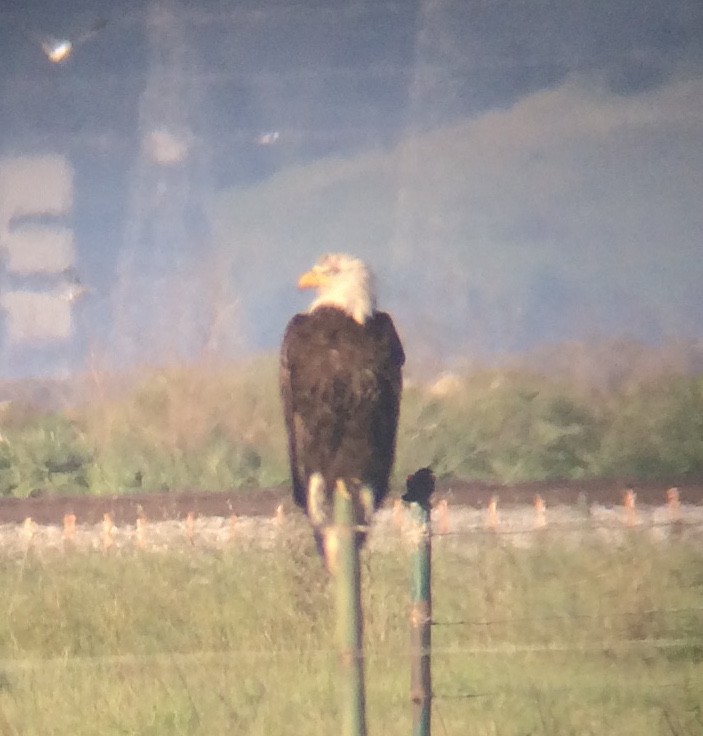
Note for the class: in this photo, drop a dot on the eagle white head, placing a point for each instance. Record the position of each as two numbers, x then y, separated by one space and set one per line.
344 282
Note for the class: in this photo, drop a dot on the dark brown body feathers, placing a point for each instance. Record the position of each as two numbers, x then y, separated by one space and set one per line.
341 385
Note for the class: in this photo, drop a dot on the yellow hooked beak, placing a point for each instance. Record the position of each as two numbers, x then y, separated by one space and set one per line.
311 280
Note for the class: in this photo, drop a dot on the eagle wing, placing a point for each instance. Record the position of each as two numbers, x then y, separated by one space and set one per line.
295 428
316 361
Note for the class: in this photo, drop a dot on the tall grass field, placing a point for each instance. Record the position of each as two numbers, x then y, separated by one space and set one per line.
219 427
559 638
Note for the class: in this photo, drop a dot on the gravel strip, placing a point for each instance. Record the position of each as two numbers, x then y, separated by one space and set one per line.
519 527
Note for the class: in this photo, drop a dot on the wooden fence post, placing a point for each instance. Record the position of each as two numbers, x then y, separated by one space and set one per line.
349 614
421 618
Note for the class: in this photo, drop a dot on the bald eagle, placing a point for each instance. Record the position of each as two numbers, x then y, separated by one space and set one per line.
341 384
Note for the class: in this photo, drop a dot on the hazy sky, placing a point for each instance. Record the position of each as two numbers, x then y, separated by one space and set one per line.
578 117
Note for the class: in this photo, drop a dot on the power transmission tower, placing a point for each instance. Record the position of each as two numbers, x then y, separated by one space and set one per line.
164 295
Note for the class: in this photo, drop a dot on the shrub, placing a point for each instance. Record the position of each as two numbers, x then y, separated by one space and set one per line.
221 427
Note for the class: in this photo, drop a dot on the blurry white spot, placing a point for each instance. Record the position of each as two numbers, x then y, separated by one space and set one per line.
73 293
447 383
57 50
34 185
36 317
72 289
39 250
165 147
268 138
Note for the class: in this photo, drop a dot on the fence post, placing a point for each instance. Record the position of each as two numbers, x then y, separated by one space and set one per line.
349 615
421 618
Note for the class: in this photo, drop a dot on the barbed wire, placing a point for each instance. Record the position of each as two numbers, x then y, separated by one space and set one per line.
593 687
500 528
572 617
506 648
269 532
586 525
560 648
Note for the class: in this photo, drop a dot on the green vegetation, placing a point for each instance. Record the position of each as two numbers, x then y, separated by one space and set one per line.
555 639
220 427
515 426
183 428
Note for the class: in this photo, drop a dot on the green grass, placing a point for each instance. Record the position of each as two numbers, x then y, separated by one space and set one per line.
550 640
220 427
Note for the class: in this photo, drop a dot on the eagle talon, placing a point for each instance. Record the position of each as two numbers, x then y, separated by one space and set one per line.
367 504
317 501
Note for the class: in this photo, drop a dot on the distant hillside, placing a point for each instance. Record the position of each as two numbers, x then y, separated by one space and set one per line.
573 214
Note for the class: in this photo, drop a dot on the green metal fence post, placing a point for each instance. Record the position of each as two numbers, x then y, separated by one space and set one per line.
349 615
421 618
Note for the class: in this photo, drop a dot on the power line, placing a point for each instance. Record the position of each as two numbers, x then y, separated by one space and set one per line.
374 71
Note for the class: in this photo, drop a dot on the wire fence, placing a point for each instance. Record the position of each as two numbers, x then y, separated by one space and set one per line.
679 636
573 617
447 522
